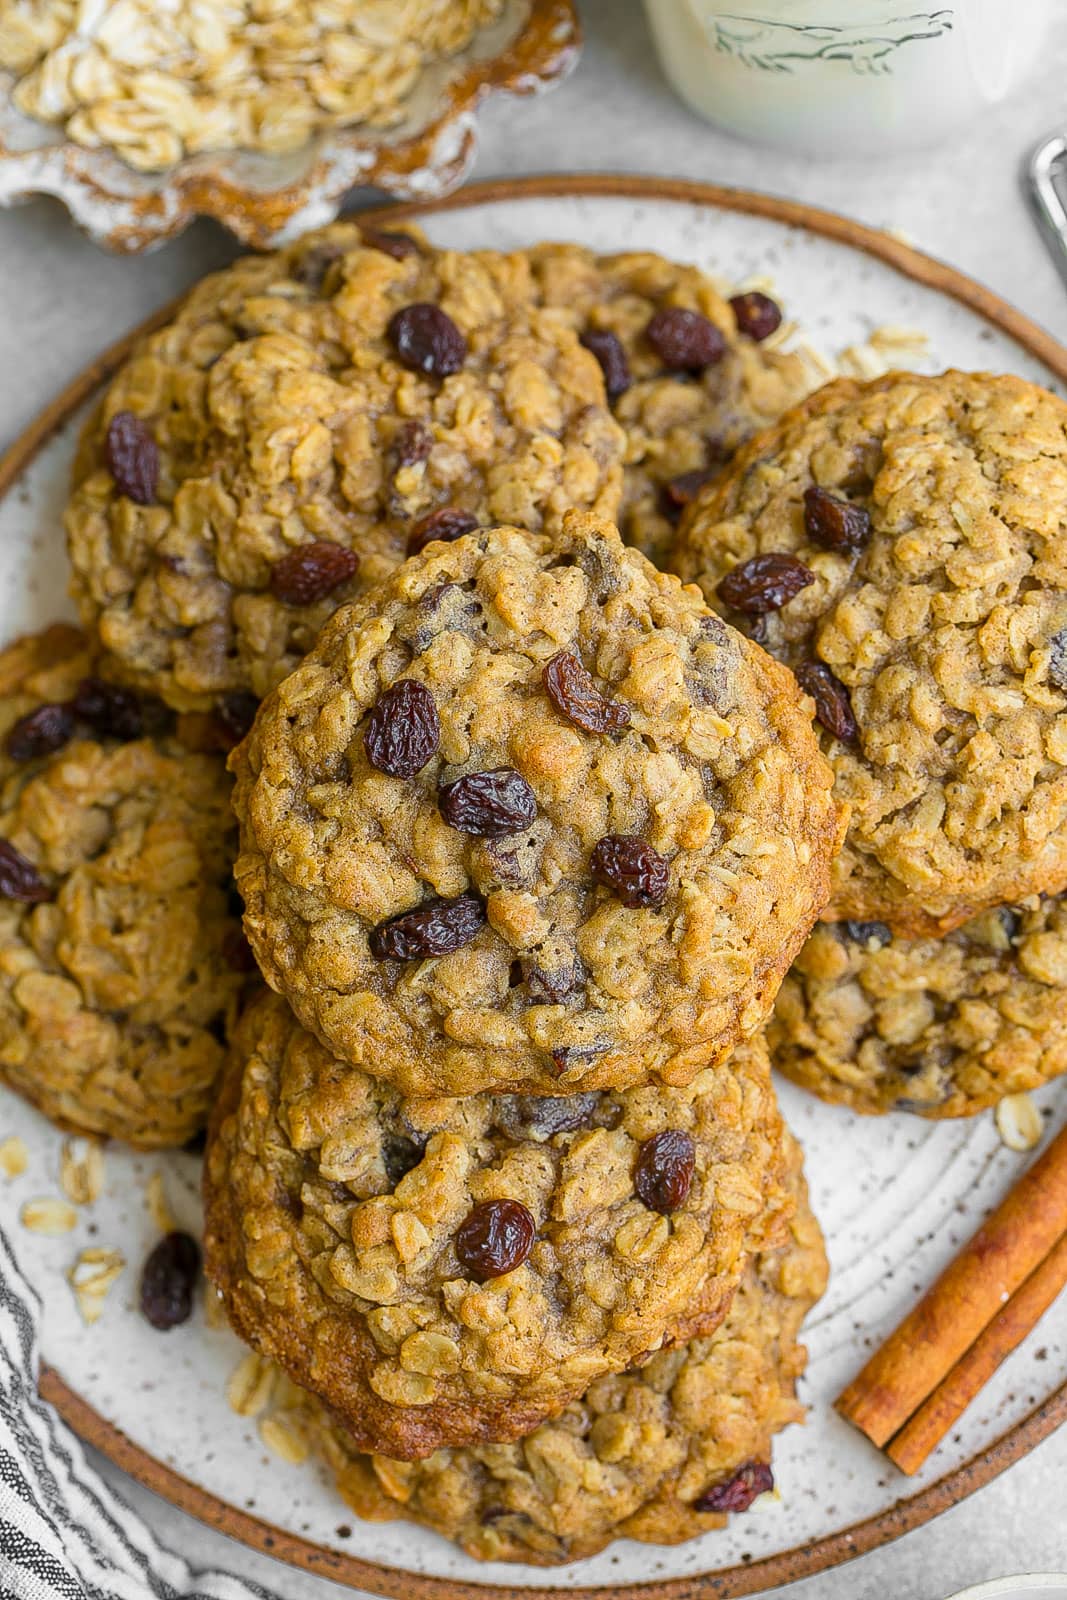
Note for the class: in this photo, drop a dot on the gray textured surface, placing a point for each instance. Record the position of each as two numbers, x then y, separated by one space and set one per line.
61 301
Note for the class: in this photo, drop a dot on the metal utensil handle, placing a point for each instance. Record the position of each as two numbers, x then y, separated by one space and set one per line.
1051 211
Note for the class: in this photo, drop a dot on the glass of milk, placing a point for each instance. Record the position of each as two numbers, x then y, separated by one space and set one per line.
846 77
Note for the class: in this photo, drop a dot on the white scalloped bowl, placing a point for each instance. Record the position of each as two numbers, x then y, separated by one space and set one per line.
267 200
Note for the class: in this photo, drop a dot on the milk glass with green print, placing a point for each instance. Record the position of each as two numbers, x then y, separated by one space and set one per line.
846 77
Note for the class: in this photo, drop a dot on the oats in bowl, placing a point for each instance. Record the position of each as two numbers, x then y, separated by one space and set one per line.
263 116
158 83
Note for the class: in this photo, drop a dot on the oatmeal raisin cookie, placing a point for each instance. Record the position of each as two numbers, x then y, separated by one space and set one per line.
530 817
902 544
117 936
682 423
451 1270
660 1453
306 418
944 1027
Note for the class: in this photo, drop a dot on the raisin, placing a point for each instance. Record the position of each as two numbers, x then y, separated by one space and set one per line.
553 988
132 458
833 523
664 1170
608 349
764 583
639 875
758 316
832 704
496 1237
237 952
1057 665
573 692
869 933
398 245
528 1116
19 878
939 1094
236 713
311 572
314 264
403 729
446 523
413 443
684 340
677 493
40 732
714 628
427 340
400 1155
512 862
494 1514
570 1055
737 1493
435 929
168 1281
488 804
112 712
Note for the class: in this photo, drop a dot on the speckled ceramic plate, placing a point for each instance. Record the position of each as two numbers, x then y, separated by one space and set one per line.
897 1195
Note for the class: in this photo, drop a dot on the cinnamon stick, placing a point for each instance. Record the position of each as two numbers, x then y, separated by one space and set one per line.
925 1430
964 1300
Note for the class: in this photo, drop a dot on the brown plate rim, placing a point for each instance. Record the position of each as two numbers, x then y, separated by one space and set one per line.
786 1566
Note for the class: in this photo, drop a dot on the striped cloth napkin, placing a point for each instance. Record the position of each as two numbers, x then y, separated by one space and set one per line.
63 1534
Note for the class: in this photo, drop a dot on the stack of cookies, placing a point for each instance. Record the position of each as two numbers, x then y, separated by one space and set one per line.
530 834
527 842
900 545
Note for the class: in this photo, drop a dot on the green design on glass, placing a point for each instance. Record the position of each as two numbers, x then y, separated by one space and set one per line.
769 46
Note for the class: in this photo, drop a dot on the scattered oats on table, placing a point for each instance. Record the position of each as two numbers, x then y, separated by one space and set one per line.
158 1205
48 1214
1019 1122
81 1170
